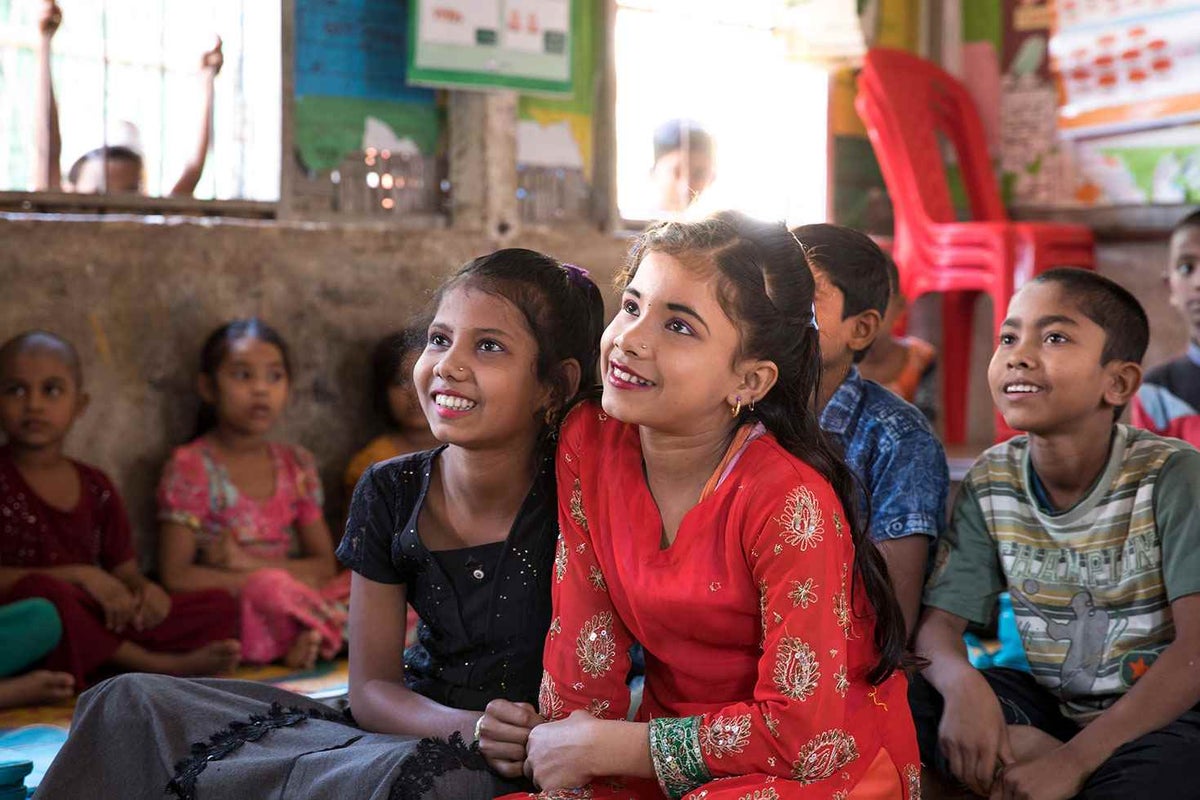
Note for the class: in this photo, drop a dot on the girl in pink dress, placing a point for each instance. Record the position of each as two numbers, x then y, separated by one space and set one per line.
243 513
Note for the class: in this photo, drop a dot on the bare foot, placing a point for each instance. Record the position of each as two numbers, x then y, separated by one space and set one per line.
213 659
36 688
303 652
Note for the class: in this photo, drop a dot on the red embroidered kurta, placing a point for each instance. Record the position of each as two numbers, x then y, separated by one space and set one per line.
755 657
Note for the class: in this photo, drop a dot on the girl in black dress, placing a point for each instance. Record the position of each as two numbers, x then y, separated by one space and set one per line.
465 532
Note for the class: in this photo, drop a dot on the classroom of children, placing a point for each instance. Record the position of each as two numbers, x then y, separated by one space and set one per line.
609 399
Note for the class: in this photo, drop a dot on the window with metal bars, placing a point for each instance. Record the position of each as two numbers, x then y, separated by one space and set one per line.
128 74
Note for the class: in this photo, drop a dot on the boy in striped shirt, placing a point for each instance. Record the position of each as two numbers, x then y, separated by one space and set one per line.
1090 526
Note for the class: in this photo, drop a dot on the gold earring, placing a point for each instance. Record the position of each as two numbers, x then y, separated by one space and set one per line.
737 409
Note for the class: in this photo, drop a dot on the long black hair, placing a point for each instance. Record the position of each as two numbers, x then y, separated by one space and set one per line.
765 286
216 348
563 309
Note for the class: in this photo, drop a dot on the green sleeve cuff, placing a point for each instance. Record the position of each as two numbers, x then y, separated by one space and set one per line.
675 752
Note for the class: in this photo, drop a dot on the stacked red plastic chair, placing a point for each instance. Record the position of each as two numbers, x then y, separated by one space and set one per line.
912 109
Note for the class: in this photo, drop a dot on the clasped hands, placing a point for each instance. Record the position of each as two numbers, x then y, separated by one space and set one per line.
515 740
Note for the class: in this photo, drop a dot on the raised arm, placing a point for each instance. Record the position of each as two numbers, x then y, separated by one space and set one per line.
210 64
47 174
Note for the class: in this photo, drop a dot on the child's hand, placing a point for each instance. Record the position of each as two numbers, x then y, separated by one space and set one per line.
50 18
503 734
213 59
1055 775
112 595
153 606
973 734
226 553
559 753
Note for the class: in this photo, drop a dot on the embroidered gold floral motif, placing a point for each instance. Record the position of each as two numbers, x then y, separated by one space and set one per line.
598 708
560 560
837 524
841 607
912 776
580 793
725 735
549 703
803 594
555 627
579 548
596 577
796 669
841 681
577 515
762 610
824 755
839 795
801 519
772 723
595 647
768 793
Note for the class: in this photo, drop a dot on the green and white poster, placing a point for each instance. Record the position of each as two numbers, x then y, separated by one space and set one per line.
492 44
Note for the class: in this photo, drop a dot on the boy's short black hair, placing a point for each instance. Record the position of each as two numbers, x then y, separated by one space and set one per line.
853 263
46 342
1109 305
108 152
1192 220
670 136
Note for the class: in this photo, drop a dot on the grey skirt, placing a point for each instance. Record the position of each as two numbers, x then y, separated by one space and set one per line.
150 736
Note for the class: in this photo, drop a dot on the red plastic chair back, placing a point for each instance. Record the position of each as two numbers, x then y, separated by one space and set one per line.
916 106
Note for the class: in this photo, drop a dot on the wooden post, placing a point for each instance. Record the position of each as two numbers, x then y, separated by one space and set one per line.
483 162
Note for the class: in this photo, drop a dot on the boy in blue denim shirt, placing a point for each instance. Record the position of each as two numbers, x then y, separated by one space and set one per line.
888 443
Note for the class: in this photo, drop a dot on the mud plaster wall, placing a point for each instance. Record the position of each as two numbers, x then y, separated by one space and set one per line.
138 297
1138 266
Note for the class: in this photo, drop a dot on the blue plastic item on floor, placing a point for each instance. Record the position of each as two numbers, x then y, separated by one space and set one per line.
13 769
33 743
1006 650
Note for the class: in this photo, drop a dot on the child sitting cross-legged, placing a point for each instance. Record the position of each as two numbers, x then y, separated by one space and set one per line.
64 537
1090 525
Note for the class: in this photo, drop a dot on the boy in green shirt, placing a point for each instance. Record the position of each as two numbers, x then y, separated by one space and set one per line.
1090 526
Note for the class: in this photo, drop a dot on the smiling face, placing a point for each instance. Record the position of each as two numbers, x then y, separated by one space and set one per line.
39 398
476 379
669 354
1183 276
1046 375
250 387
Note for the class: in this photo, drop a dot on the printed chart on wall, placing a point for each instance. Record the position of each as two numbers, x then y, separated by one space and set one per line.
1125 65
1130 98
486 44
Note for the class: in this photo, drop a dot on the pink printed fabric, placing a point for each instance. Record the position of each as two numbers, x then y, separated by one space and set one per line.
276 608
196 492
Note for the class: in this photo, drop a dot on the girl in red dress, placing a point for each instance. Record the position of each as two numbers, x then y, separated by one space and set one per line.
705 516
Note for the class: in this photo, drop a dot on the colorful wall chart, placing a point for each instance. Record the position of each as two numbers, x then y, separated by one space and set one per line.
491 44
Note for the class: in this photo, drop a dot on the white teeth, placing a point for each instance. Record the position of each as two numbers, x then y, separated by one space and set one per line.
1022 388
628 377
453 403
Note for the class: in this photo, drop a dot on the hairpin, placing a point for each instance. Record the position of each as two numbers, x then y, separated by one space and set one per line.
577 275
